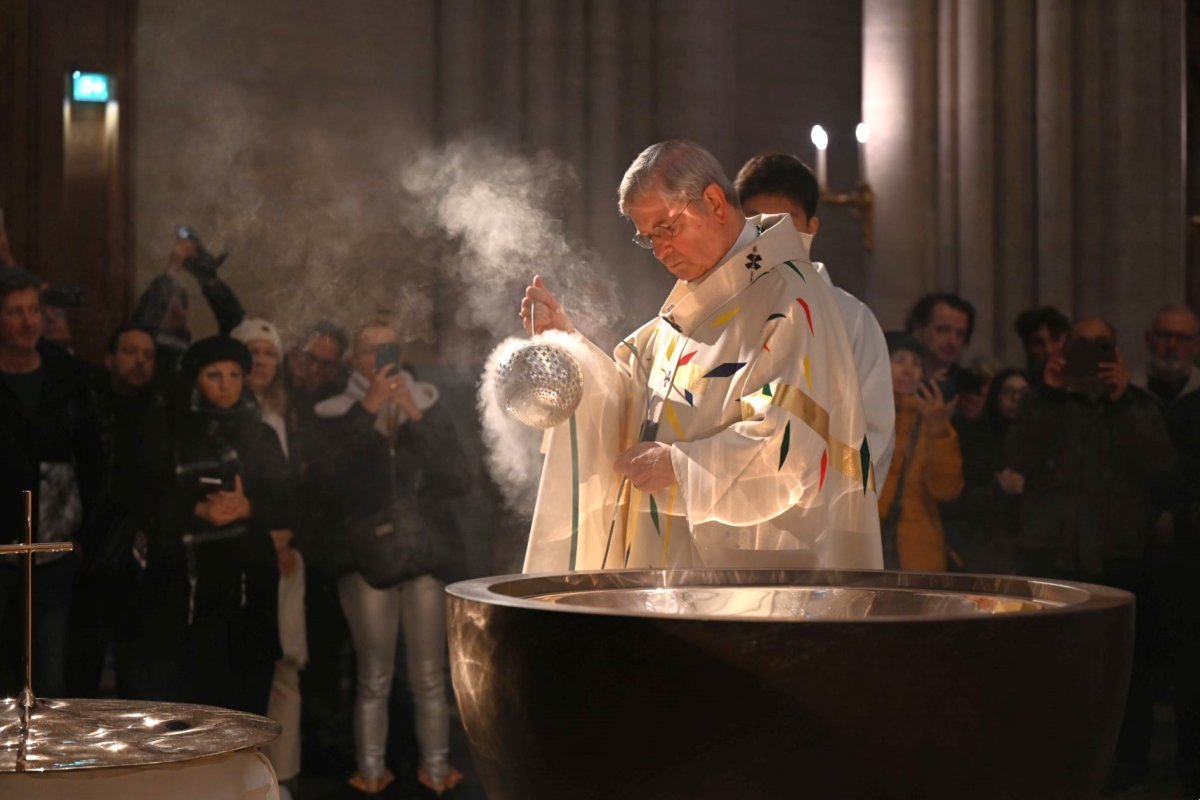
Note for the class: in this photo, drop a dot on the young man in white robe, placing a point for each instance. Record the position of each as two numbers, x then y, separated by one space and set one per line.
777 183
729 431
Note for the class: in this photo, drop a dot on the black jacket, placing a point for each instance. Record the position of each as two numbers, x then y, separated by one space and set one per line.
63 428
235 570
135 432
428 474
982 522
1092 470
152 307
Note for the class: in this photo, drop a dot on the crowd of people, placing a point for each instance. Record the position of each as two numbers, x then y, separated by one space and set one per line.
1071 467
205 484
208 485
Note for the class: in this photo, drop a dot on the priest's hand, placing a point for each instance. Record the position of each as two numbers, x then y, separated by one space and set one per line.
648 465
550 314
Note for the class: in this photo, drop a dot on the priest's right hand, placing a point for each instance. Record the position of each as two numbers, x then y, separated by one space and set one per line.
550 314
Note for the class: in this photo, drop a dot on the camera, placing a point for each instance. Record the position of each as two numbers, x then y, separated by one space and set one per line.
203 265
64 296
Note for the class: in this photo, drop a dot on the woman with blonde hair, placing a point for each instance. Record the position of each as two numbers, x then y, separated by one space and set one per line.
265 381
392 460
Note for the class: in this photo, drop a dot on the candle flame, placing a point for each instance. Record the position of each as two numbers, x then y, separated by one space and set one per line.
819 137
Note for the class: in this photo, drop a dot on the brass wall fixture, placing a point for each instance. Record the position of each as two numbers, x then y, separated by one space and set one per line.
861 202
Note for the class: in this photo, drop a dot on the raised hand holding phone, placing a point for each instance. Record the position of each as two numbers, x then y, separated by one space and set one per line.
932 406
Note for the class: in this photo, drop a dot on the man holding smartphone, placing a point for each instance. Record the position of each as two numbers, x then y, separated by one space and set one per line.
1094 453
1092 449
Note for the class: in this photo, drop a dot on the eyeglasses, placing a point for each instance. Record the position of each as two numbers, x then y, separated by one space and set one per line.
646 240
1166 336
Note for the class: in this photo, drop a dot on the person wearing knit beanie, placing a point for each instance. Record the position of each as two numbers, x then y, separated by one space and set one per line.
210 351
255 328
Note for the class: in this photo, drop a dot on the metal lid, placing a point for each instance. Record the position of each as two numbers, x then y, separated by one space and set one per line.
94 734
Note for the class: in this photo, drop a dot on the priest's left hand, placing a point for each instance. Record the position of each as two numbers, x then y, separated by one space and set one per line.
648 465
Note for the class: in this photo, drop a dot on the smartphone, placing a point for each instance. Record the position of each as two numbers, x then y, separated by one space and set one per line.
1082 359
225 482
387 353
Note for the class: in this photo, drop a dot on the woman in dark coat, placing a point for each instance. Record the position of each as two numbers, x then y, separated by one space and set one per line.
211 585
984 517
396 449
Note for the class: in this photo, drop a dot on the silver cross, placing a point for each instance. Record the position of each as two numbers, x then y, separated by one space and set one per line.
27 700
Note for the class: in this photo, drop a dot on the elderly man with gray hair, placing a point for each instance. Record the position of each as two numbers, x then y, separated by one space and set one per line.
1173 345
728 431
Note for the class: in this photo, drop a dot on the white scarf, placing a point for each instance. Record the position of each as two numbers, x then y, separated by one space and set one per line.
389 416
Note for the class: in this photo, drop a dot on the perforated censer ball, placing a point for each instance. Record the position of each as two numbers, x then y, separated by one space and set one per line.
539 385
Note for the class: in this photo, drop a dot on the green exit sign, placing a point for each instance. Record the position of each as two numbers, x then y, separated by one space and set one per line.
89 87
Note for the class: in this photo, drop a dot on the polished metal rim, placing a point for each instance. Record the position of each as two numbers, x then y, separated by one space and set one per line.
547 592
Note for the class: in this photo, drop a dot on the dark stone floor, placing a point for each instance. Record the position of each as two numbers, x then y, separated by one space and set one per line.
1161 784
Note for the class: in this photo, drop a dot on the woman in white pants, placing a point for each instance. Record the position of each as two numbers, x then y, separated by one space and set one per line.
376 617
377 424
266 381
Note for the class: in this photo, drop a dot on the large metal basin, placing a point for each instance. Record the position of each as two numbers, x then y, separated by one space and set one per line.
789 684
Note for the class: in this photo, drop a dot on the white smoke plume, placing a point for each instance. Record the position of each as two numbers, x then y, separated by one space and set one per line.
497 207
513 456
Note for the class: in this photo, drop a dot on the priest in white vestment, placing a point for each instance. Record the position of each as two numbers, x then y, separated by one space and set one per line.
727 432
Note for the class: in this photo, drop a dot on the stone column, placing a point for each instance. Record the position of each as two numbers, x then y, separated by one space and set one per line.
1027 153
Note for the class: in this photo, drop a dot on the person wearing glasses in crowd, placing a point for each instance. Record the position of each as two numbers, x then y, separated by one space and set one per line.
315 367
314 370
1173 344
735 415
1173 553
1095 456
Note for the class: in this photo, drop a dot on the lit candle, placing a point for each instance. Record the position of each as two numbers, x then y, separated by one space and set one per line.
862 133
821 139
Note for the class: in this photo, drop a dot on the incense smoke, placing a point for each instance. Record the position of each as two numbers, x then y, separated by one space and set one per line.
496 206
